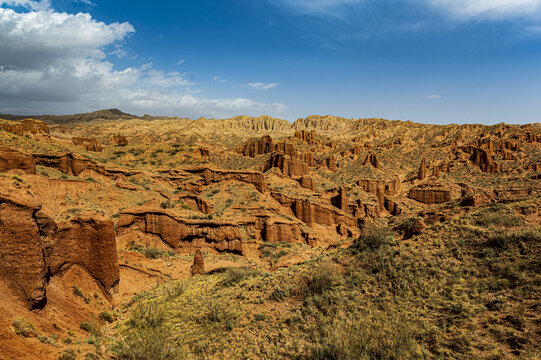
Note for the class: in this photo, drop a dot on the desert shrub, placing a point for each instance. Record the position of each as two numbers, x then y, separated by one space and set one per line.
91 327
24 327
279 294
173 290
106 316
218 312
502 239
68 354
46 340
148 315
324 277
166 205
79 293
152 252
378 335
498 215
259 317
148 344
234 275
373 239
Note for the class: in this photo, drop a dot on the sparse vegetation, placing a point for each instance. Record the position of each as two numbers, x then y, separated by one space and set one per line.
24 327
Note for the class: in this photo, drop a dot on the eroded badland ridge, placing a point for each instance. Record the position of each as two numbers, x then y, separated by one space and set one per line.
254 238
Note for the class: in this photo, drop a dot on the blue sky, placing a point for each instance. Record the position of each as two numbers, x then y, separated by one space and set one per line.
431 61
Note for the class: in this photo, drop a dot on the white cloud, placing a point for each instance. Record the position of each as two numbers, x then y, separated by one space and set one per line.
219 79
467 9
166 79
261 86
180 62
53 62
30 4
434 96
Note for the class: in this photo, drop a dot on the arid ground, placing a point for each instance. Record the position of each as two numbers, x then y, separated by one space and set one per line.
326 238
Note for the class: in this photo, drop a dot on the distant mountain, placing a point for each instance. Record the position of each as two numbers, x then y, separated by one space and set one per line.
109 114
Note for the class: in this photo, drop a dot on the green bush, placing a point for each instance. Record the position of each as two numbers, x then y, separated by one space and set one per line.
324 277
502 240
106 317
373 239
68 354
380 335
235 275
24 327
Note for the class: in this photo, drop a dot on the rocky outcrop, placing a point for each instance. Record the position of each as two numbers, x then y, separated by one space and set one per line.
308 182
198 267
377 188
308 159
312 213
533 166
13 159
308 137
280 230
262 123
392 207
211 176
88 240
195 202
183 234
90 144
289 166
74 165
25 126
34 248
430 194
484 161
341 200
21 247
330 163
421 174
119 140
532 138
265 145
371 159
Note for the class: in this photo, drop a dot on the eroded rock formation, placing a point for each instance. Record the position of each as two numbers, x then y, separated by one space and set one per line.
430 194
89 144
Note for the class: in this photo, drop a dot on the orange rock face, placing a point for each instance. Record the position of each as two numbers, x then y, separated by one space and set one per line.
184 234
484 161
21 247
307 182
290 167
330 163
88 144
119 140
90 242
421 174
309 137
265 145
13 159
33 248
371 159
430 194
210 176
26 126
195 202
198 267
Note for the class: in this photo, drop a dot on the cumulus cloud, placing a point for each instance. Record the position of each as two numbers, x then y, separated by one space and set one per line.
261 86
53 62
